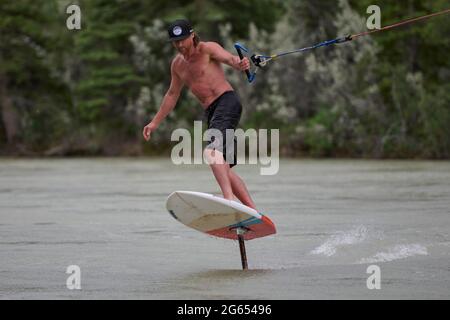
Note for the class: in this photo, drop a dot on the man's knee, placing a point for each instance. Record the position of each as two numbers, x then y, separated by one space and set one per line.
208 154
213 156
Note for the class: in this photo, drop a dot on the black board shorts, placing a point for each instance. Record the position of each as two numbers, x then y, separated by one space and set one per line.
224 113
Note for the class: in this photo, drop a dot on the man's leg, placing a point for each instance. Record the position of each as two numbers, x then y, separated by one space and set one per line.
240 190
231 184
221 170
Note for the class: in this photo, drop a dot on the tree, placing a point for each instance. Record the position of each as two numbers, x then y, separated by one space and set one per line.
414 68
28 72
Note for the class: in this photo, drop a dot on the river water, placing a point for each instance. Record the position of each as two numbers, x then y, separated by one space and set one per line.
334 218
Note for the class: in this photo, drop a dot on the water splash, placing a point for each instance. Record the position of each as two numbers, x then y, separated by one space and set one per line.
342 238
396 252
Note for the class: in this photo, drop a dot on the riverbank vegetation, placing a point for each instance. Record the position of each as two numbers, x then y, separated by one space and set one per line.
90 91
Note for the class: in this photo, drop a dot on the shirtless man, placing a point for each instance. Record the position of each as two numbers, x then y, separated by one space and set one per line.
198 66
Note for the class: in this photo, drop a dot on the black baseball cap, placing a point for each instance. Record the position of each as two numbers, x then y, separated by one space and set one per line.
179 30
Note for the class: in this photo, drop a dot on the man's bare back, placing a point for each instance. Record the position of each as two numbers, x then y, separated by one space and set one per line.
202 74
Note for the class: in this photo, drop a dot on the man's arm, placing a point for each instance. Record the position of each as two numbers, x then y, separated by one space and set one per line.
218 53
168 103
